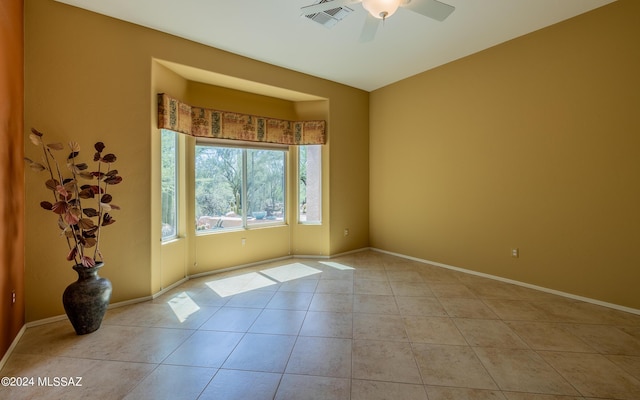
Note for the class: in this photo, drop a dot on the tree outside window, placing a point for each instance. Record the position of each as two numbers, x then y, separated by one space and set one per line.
238 187
169 175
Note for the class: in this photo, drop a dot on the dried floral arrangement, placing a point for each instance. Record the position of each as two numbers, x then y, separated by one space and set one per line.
82 210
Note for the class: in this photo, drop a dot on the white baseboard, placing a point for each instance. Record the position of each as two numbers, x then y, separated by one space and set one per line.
63 317
253 264
514 282
13 345
165 290
350 252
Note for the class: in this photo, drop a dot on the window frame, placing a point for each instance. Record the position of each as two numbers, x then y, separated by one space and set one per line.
245 147
176 184
319 188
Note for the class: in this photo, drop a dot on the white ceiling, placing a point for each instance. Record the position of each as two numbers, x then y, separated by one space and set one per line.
273 31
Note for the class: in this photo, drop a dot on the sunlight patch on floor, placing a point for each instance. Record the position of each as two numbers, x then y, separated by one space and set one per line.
336 265
290 272
239 284
183 306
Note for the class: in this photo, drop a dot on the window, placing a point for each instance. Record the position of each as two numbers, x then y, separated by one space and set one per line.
310 184
169 151
239 187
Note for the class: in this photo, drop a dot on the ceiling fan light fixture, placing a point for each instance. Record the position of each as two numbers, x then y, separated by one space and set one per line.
381 9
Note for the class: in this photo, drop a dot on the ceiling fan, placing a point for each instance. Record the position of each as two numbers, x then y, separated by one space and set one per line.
380 10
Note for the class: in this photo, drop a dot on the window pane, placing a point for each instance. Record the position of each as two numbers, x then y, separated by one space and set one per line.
218 189
169 184
265 186
310 184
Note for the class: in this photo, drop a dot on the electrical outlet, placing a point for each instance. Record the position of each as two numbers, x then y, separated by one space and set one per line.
346 231
13 297
515 253
244 242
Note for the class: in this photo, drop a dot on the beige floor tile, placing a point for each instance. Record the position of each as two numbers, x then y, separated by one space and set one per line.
594 375
466 308
204 297
305 387
580 312
606 339
403 288
332 302
517 310
538 295
401 264
242 385
432 274
335 286
101 377
142 314
291 271
375 287
523 371
179 312
497 290
400 275
536 396
252 299
548 336
321 357
416 305
110 342
261 352
290 301
281 322
384 361
378 327
375 390
149 345
241 282
451 290
337 274
92 378
489 333
232 319
457 366
630 364
374 304
631 330
205 349
366 325
328 324
371 274
436 330
172 382
299 285
49 339
448 393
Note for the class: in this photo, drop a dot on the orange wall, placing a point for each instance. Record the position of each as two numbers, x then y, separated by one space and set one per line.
11 172
533 144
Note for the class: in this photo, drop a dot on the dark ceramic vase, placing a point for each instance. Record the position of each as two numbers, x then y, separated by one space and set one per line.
85 301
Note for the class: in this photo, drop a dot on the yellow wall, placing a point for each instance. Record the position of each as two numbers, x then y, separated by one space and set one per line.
90 78
533 144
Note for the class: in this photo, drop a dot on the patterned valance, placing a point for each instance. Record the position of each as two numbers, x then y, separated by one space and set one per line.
203 122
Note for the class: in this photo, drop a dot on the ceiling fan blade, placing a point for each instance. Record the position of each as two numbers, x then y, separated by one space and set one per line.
430 8
325 6
369 29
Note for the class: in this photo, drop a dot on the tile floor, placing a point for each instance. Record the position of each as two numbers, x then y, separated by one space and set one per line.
364 326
